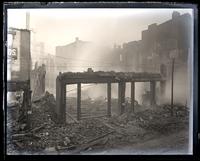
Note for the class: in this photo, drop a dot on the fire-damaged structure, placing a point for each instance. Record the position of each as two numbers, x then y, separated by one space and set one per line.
125 105
121 78
19 66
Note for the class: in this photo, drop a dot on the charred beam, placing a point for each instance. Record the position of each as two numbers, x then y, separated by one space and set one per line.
132 95
109 99
153 92
121 97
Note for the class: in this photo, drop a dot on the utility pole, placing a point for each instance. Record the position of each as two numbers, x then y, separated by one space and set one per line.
172 87
173 55
28 20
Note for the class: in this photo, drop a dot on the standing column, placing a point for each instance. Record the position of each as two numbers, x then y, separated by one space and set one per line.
78 101
132 95
152 92
60 109
63 110
109 99
121 97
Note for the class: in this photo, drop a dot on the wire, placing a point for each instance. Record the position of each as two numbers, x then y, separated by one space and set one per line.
73 59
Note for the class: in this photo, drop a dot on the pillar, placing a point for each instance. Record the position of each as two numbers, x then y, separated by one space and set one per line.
152 92
60 111
132 95
109 99
121 97
78 101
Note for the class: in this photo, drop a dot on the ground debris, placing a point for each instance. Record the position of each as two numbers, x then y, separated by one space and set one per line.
87 134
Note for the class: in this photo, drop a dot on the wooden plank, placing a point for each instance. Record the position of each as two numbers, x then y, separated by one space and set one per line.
93 80
121 97
92 142
132 95
153 91
109 126
71 117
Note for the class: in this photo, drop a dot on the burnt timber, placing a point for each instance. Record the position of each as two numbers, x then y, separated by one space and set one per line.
64 79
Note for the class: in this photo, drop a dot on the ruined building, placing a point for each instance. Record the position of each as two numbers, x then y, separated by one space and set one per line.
158 41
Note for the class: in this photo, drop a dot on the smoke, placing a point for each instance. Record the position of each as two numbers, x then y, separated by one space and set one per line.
96 91
181 87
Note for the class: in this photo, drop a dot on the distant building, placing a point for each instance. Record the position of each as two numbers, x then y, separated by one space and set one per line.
67 53
132 55
80 55
157 42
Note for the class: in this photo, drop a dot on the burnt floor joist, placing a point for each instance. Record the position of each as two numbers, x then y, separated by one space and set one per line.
64 79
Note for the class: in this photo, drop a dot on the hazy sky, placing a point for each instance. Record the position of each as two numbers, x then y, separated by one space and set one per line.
108 26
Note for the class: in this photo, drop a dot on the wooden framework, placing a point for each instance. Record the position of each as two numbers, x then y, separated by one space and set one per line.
64 79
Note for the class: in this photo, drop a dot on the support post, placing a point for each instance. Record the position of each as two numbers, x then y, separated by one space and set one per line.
109 99
60 101
121 97
29 112
132 96
78 101
152 92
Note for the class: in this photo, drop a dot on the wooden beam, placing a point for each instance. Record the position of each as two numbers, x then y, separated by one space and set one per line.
60 101
121 97
133 95
63 108
109 99
153 92
78 101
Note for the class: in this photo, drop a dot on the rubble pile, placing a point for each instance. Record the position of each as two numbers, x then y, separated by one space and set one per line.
157 119
45 134
42 110
91 133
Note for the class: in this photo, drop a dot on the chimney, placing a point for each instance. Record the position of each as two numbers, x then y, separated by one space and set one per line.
175 15
28 20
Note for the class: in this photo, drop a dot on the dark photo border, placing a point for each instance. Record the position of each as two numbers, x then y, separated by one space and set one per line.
196 133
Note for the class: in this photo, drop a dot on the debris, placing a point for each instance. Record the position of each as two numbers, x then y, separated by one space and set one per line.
20 145
71 117
19 136
38 128
13 104
109 126
92 142
23 126
23 136
60 148
66 141
50 149
90 132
